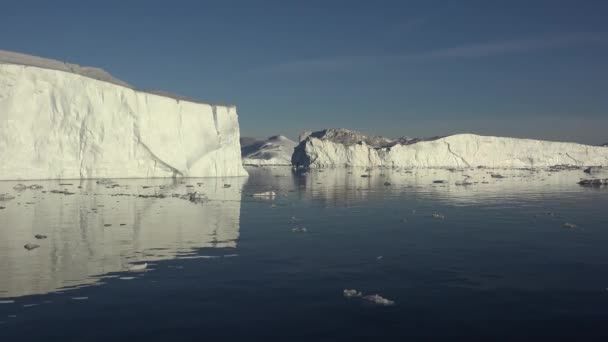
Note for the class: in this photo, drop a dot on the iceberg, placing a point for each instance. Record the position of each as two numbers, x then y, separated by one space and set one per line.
276 150
63 121
344 148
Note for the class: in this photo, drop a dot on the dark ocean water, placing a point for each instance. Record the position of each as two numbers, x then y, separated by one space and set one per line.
488 261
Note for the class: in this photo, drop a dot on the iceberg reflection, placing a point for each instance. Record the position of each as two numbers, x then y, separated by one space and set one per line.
93 229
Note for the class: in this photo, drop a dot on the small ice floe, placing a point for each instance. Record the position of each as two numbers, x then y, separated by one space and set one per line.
30 305
138 267
438 216
265 195
379 257
35 187
40 236
7 301
6 197
231 255
299 230
379 300
196 197
126 278
227 185
30 246
107 225
80 298
404 220
439 181
351 293
387 183
20 187
497 175
569 225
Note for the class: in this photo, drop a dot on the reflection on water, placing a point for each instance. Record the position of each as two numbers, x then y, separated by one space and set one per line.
104 228
98 228
463 253
344 187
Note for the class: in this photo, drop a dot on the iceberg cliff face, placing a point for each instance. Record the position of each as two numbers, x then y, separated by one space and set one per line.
275 150
463 150
56 124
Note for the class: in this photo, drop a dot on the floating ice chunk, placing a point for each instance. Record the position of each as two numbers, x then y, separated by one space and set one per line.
352 293
266 195
380 257
196 197
138 267
30 305
6 197
379 300
438 216
569 225
40 236
299 230
20 187
30 246
7 301
35 187
126 278
80 298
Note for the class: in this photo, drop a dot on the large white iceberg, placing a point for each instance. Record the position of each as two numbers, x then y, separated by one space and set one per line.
60 120
339 147
276 150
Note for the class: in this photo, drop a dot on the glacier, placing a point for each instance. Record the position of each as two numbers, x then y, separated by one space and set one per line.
276 150
62 121
344 148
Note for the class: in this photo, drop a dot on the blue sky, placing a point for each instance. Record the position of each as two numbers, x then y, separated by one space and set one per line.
418 68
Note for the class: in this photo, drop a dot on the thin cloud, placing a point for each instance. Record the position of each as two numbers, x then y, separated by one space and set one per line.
471 51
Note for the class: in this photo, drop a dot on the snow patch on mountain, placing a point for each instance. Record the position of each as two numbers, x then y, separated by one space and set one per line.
276 150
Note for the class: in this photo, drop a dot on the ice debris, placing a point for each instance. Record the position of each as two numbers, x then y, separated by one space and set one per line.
379 300
138 267
351 293
374 299
266 195
30 246
438 216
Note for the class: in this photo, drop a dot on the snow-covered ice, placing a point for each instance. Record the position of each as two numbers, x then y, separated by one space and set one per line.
339 148
276 150
59 120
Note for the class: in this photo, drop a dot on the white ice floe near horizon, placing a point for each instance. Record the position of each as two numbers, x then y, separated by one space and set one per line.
60 121
276 150
344 148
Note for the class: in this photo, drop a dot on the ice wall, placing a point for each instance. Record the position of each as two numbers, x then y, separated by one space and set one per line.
56 124
456 151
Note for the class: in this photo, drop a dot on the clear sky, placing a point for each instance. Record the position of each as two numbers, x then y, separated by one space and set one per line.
416 68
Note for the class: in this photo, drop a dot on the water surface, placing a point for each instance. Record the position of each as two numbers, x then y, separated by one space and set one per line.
488 260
